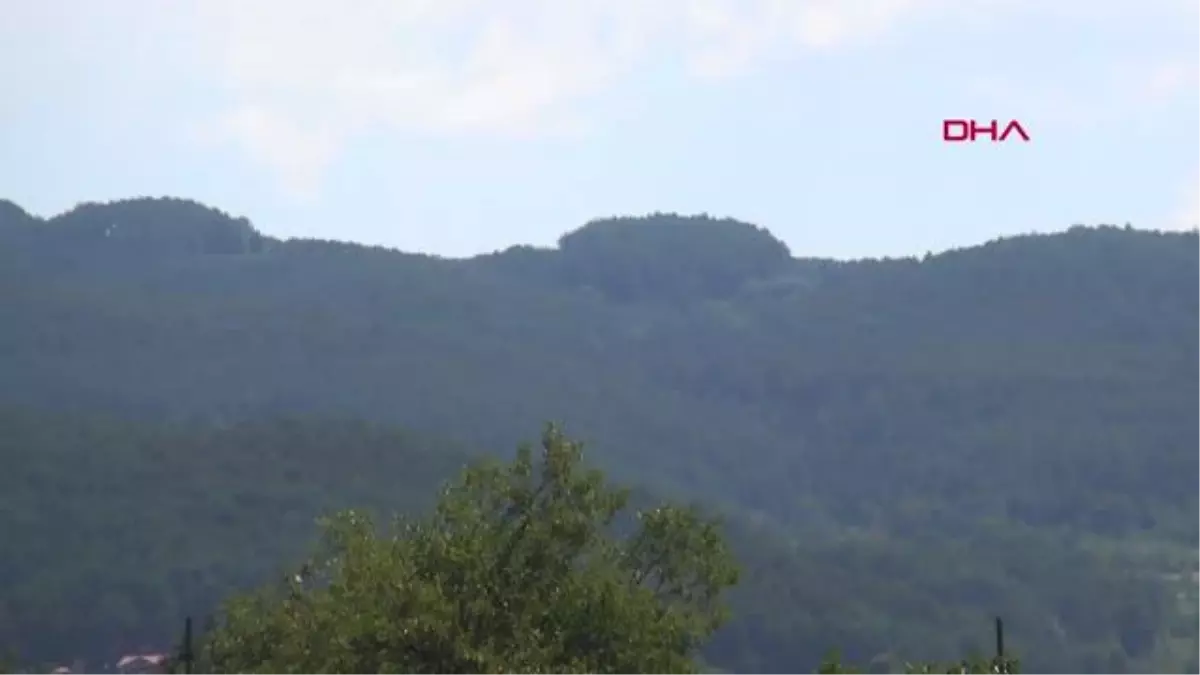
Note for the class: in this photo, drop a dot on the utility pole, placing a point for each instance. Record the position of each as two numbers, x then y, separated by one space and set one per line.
1002 665
185 654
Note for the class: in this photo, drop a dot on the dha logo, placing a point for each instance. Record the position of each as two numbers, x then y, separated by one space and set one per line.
960 131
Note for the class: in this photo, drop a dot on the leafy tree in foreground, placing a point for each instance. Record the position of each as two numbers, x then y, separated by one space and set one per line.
519 569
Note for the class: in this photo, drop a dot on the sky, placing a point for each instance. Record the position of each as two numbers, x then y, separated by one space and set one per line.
458 127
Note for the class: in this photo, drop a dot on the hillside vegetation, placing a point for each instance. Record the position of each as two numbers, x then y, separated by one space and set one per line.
901 448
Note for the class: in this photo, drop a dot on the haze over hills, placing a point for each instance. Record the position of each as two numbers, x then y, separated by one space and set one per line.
903 447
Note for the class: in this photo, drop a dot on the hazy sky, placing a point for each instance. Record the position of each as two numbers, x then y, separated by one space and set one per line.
462 126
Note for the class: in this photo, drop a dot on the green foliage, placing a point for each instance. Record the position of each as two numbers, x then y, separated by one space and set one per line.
13 217
231 503
136 228
517 571
669 257
155 522
902 448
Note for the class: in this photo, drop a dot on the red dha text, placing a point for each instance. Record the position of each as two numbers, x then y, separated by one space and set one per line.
959 131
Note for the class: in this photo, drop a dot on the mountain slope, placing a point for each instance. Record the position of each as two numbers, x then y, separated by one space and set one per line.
114 531
832 376
1038 387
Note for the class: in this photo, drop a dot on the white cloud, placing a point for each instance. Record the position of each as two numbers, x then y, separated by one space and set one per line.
1039 104
1129 92
1187 215
296 153
1165 81
302 78
311 74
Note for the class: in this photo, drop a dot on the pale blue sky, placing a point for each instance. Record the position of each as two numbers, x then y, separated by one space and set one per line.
463 126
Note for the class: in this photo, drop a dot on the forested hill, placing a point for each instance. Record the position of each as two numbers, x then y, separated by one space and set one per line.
1008 427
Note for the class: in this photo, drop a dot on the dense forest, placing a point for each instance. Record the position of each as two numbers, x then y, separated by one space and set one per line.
900 449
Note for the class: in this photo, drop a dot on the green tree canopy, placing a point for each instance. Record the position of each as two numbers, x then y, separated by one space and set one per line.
668 257
520 568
